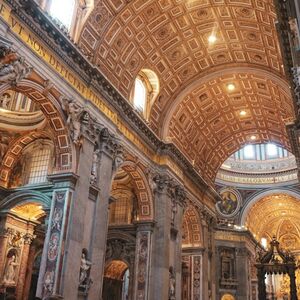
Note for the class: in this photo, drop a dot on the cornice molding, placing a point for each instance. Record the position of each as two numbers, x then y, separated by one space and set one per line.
47 31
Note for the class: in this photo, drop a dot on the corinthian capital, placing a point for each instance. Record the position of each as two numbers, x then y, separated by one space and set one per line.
161 182
180 195
113 147
28 238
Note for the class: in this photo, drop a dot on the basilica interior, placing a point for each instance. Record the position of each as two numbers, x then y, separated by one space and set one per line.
149 149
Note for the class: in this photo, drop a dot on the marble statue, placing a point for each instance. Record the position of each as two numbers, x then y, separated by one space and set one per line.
94 171
14 72
85 266
10 271
172 282
5 100
73 112
118 161
173 211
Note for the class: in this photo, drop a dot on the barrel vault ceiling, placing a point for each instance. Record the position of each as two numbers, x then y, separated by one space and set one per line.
195 109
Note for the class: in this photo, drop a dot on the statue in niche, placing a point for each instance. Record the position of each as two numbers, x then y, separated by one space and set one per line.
95 164
73 112
172 282
173 211
5 100
14 72
10 270
85 266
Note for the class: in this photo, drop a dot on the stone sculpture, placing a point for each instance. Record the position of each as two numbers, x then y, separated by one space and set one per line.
14 72
10 271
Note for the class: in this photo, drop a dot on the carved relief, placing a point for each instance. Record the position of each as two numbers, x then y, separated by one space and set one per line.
120 249
142 264
196 277
54 243
13 72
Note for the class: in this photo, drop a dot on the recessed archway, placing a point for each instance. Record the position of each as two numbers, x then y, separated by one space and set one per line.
50 106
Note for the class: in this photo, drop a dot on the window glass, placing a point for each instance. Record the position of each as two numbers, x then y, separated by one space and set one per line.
63 11
271 150
38 170
249 152
140 95
120 211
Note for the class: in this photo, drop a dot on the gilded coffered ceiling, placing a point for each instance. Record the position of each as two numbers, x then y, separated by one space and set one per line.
31 211
194 107
276 215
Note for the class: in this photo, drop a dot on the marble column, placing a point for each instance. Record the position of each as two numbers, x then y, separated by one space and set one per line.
196 276
31 256
110 157
61 259
179 201
3 245
161 236
242 271
28 238
205 260
142 260
212 258
166 284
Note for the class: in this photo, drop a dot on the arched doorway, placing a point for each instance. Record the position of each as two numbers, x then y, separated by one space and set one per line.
24 222
34 275
192 251
227 297
130 207
275 214
116 281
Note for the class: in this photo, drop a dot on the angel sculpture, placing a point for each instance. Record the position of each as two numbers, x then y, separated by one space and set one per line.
73 112
14 72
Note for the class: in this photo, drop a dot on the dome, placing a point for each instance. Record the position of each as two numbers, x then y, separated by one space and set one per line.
260 164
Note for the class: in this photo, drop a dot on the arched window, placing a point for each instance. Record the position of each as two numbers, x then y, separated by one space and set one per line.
140 95
146 89
63 11
35 164
121 209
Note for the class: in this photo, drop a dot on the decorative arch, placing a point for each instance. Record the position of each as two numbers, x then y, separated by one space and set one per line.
15 151
142 189
23 197
204 122
228 297
200 80
192 230
49 105
258 196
